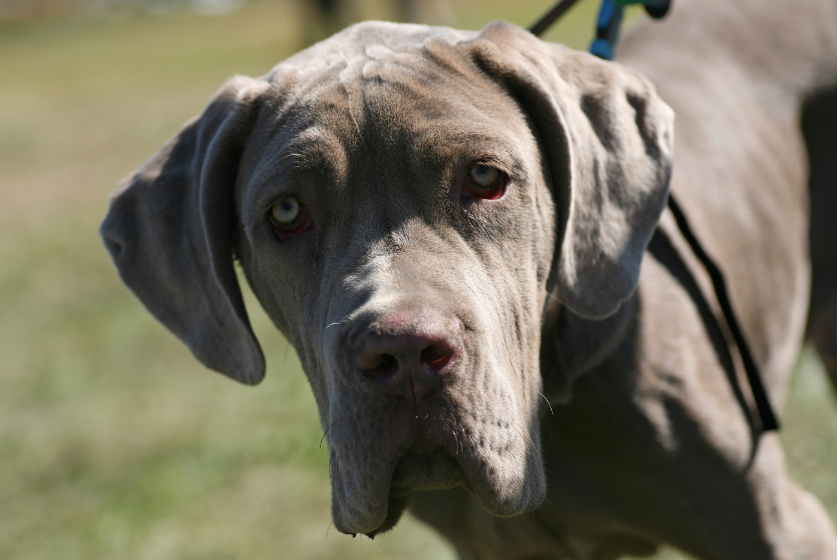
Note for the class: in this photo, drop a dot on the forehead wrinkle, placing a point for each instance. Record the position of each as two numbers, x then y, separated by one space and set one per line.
313 157
388 85
420 76
350 87
379 82
396 93
317 149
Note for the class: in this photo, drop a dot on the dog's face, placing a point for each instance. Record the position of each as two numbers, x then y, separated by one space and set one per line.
402 200
424 224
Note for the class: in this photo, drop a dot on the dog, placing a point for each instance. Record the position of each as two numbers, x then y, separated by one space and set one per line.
463 236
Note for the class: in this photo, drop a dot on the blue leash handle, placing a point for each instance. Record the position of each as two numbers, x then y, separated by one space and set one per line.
606 29
609 22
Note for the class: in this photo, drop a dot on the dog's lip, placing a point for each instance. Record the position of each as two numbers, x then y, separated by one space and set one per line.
473 466
431 453
418 463
423 466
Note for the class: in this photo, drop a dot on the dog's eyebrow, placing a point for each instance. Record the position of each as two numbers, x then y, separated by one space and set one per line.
314 148
488 149
315 151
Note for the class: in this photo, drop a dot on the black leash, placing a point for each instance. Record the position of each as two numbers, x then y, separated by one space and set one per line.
769 421
551 16
607 28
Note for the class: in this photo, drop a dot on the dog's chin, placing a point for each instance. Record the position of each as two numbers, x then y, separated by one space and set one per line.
427 467
424 466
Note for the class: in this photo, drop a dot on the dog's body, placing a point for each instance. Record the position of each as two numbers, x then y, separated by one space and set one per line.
431 311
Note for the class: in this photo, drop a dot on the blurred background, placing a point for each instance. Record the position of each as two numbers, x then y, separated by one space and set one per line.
114 442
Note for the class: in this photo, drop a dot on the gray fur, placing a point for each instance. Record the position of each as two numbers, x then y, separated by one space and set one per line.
548 290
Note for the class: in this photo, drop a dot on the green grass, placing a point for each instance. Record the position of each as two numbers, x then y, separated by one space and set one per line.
114 442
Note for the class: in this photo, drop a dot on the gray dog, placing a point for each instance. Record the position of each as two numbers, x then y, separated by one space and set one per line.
453 228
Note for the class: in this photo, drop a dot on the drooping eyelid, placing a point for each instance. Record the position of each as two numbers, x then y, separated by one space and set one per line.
510 165
494 152
287 179
495 163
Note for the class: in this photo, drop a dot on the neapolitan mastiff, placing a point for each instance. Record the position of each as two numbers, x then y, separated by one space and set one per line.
453 228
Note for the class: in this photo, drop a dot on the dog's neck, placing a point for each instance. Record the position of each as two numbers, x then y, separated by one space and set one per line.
573 345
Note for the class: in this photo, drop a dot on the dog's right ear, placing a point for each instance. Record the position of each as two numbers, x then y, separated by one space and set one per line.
169 228
608 144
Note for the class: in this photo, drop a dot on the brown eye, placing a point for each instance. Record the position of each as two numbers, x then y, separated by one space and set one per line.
483 181
289 218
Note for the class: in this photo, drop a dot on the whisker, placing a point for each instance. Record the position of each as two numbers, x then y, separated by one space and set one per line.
546 402
521 435
525 436
455 425
325 433
334 324
458 426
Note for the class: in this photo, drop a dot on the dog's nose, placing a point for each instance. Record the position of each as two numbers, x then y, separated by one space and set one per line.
407 353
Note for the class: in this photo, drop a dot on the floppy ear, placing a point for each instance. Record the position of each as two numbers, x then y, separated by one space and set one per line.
608 143
169 228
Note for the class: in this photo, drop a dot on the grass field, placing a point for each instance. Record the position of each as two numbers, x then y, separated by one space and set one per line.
114 442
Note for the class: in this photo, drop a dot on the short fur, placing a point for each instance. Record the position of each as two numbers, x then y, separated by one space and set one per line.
569 287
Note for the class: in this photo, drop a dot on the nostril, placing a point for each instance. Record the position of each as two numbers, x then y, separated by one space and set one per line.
382 365
436 357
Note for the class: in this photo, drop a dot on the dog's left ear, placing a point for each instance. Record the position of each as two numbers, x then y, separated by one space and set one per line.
169 231
608 142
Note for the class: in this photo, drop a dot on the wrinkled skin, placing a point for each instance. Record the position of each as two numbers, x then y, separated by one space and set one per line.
434 325
378 158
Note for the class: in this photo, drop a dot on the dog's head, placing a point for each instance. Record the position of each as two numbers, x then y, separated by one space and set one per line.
404 201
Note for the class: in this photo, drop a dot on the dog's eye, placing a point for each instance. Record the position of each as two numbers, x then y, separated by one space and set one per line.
484 175
289 218
286 211
483 181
